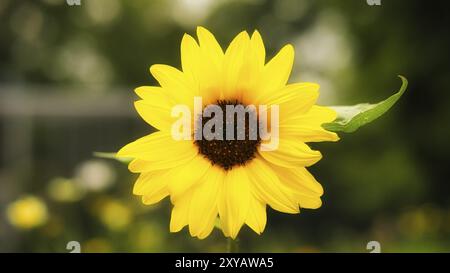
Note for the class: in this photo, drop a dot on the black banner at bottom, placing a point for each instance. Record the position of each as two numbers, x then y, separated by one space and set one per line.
216 262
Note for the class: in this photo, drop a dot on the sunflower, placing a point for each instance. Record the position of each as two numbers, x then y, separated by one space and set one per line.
230 182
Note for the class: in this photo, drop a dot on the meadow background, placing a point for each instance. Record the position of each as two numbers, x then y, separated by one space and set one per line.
67 75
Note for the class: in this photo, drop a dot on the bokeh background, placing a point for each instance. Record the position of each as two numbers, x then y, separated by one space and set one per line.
67 75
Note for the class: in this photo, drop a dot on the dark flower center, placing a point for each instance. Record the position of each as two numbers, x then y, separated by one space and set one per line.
227 152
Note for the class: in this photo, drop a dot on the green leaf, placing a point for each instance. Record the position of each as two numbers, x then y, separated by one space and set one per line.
350 118
112 156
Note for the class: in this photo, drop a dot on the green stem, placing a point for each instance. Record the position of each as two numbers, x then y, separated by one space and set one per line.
232 245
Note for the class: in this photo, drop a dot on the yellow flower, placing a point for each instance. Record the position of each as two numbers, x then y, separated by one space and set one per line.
232 180
64 190
115 214
27 213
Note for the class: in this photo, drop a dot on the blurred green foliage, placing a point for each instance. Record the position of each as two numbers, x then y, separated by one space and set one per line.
66 80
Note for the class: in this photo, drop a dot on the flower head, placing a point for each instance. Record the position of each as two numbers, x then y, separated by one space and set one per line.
232 179
27 212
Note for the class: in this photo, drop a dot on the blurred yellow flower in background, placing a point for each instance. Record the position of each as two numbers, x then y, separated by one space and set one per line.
147 236
232 179
114 214
64 190
27 212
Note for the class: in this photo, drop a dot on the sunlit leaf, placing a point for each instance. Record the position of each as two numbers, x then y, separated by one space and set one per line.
350 118
112 156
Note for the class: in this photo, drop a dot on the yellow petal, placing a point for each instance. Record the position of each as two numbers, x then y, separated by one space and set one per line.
277 71
148 183
291 154
158 146
180 213
304 187
154 95
249 80
268 188
184 177
157 116
190 56
175 83
152 187
155 198
257 46
309 202
198 64
139 165
203 210
256 218
316 115
299 180
223 227
157 152
210 46
234 201
156 106
233 65
308 134
307 127
292 99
